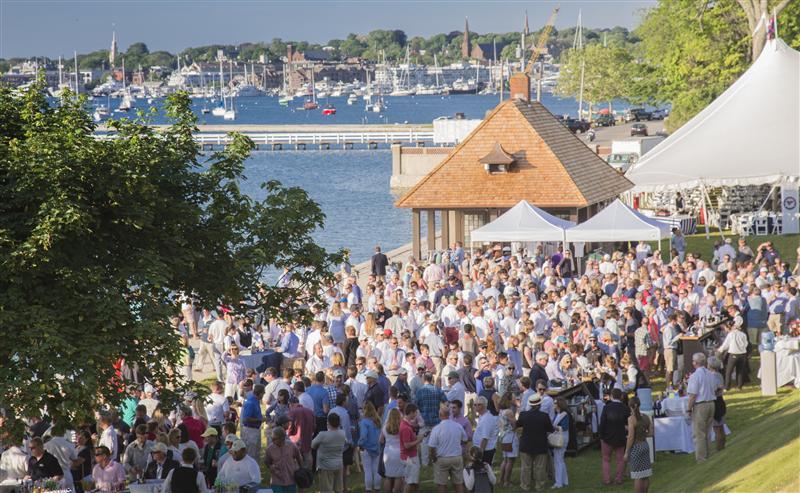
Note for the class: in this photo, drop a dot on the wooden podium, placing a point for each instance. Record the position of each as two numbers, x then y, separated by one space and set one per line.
694 344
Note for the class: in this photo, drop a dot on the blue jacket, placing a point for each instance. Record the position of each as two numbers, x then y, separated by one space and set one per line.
368 435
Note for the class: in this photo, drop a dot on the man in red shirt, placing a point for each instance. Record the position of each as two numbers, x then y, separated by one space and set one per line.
301 429
194 426
408 449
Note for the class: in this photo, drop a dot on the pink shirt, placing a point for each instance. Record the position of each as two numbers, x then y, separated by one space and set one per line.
106 477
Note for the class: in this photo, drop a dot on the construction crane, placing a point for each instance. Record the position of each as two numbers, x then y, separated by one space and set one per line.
538 49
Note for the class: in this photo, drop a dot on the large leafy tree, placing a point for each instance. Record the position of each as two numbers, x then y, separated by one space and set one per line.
691 51
606 73
98 238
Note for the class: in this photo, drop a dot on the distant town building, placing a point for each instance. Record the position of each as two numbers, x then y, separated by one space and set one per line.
466 46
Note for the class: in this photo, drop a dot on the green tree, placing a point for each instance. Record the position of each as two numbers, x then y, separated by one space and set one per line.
137 49
98 238
756 11
692 53
352 46
606 73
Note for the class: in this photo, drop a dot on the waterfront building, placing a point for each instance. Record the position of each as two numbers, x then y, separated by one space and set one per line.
519 152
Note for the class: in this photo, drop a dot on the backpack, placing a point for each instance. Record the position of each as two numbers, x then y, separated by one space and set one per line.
482 483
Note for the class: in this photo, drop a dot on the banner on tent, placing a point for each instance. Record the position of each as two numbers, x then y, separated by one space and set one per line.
790 205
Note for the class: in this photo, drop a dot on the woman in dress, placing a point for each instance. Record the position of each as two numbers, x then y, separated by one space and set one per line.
561 420
637 452
336 319
508 439
392 464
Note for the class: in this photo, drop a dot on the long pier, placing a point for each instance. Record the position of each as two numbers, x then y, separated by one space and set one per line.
302 137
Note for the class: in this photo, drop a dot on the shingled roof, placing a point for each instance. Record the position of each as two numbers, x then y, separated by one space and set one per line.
552 167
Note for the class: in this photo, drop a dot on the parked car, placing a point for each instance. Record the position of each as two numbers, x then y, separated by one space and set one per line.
659 114
637 114
575 125
639 129
605 121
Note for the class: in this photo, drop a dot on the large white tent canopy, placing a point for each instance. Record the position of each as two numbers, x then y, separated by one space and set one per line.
618 222
523 222
747 136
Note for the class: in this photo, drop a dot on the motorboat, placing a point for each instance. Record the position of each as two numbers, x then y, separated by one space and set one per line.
329 110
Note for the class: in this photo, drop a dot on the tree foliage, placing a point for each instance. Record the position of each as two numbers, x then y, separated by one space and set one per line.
99 238
606 73
692 51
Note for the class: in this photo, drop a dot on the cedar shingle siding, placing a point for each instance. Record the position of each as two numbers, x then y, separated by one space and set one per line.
552 167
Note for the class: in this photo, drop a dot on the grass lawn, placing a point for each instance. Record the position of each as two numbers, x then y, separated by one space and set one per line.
697 243
762 454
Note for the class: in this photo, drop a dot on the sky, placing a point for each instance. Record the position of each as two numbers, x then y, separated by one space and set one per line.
52 27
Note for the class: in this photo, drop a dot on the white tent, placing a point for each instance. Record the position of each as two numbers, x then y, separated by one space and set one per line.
747 136
618 222
523 222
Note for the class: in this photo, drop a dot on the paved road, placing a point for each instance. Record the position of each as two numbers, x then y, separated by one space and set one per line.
604 135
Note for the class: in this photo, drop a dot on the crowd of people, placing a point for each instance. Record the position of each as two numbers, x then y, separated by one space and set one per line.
446 366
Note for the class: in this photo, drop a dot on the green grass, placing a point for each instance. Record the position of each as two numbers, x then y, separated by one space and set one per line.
697 243
762 454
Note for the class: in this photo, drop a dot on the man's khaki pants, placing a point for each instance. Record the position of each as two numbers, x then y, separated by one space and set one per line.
538 463
702 417
775 323
252 439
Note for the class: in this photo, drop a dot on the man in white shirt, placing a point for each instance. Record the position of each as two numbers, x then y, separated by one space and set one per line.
13 465
702 390
736 345
486 429
216 334
318 362
445 446
457 390
240 468
274 385
109 436
63 450
216 405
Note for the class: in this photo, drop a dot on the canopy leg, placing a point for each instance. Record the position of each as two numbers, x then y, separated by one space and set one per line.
705 208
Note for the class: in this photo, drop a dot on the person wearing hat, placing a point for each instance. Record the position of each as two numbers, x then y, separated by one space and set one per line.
283 458
374 393
211 453
160 465
240 468
533 447
225 450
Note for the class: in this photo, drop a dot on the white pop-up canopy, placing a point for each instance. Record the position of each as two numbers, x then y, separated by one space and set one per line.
747 136
523 222
618 222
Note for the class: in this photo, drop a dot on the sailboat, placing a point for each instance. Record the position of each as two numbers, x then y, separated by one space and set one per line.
402 88
127 103
311 104
219 110
230 113
286 97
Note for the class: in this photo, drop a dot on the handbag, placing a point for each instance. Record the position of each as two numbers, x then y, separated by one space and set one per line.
507 447
557 439
303 477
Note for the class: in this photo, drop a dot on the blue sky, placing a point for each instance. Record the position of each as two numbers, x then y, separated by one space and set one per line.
52 27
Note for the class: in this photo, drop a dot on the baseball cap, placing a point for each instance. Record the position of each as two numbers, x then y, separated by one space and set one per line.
338 373
453 374
238 445
402 371
387 332
370 374
231 438
210 432
149 388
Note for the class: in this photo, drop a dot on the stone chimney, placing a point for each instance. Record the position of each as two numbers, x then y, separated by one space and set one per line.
519 85
289 52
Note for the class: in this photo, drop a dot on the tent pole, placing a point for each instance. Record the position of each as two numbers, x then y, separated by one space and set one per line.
767 198
715 213
705 207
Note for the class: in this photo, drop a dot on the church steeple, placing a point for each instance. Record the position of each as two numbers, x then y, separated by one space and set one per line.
466 46
525 30
112 54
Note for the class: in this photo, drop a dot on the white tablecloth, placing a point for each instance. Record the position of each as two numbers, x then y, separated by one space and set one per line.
675 434
686 223
787 359
675 406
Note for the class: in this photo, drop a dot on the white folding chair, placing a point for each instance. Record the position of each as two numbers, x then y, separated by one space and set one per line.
761 226
745 225
777 225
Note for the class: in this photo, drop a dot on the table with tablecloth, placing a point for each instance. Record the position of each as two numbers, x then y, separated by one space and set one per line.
787 360
256 360
675 434
685 222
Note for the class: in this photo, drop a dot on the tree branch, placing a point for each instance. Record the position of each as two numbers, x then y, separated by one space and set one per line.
749 10
781 6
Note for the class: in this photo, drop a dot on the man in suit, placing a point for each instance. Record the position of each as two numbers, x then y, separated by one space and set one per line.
533 447
538 371
379 263
161 465
613 435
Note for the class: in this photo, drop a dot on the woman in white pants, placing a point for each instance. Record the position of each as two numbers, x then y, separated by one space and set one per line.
561 420
369 427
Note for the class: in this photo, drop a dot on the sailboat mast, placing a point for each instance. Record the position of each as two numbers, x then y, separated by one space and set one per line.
77 87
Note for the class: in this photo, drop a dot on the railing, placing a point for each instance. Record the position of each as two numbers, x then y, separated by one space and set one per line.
287 138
